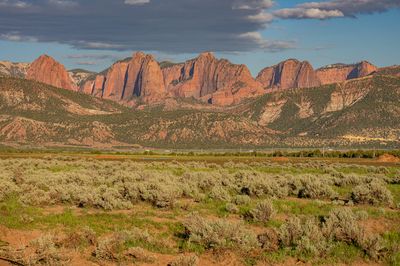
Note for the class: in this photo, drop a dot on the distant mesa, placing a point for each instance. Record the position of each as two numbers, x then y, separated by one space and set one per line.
341 72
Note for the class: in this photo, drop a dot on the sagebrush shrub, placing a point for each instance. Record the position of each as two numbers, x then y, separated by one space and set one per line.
219 234
341 225
232 208
139 254
109 248
46 252
242 199
220 193
315 188
263 211
374 193
269 240
185 260
304 235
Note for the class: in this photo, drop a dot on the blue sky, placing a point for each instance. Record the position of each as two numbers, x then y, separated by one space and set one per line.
257 33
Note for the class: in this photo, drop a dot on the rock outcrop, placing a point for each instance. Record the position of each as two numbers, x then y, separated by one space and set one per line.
10 69
47 70
206 78
340 72
216 81
126 80
289 74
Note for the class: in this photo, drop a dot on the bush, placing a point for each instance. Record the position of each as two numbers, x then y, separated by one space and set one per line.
231 208
185 260
46 252
304 236
219 234
110 248
269 240
315 188
290 232
263 212
374 193
79 238
138 254
341 225
242 199
220 193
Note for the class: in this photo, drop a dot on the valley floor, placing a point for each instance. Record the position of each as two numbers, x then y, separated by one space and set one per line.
98 209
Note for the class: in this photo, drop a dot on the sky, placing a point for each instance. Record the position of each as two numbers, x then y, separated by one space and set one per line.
92 34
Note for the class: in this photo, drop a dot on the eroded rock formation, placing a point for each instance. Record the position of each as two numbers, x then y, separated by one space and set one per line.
47 70
289 74
217 81
341 72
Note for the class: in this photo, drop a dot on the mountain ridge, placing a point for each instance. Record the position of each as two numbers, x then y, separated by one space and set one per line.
205 78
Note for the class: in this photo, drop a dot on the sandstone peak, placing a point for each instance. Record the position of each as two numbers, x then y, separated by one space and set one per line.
210 79
288 74
47 70
138 54
139 76
208 55
341 72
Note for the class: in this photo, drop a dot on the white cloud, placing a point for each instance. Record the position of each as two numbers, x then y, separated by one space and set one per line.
266 45
63 3
99 45
262 17
15 36
14 3
253 4
308 13
336 8
136 2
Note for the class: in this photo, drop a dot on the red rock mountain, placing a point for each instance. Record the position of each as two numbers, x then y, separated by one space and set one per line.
289 74
141 76
206 78
295 74
47 70
217 81
340 72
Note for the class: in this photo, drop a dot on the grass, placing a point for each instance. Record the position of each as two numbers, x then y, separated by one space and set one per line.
395 189
303 207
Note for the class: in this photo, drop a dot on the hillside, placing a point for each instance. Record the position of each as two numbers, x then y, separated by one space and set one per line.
359 113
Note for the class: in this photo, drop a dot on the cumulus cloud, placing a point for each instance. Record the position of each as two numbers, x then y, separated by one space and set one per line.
262 17
14 4
63 3
310 13
137 2
166 26
87 63
90 56
15 36
336 8
266 45
252 4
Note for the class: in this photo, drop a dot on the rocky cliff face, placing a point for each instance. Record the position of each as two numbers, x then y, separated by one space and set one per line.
10 69
340 72
140 76
79 75
216 81
47 70
212 80
289 74
144 79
